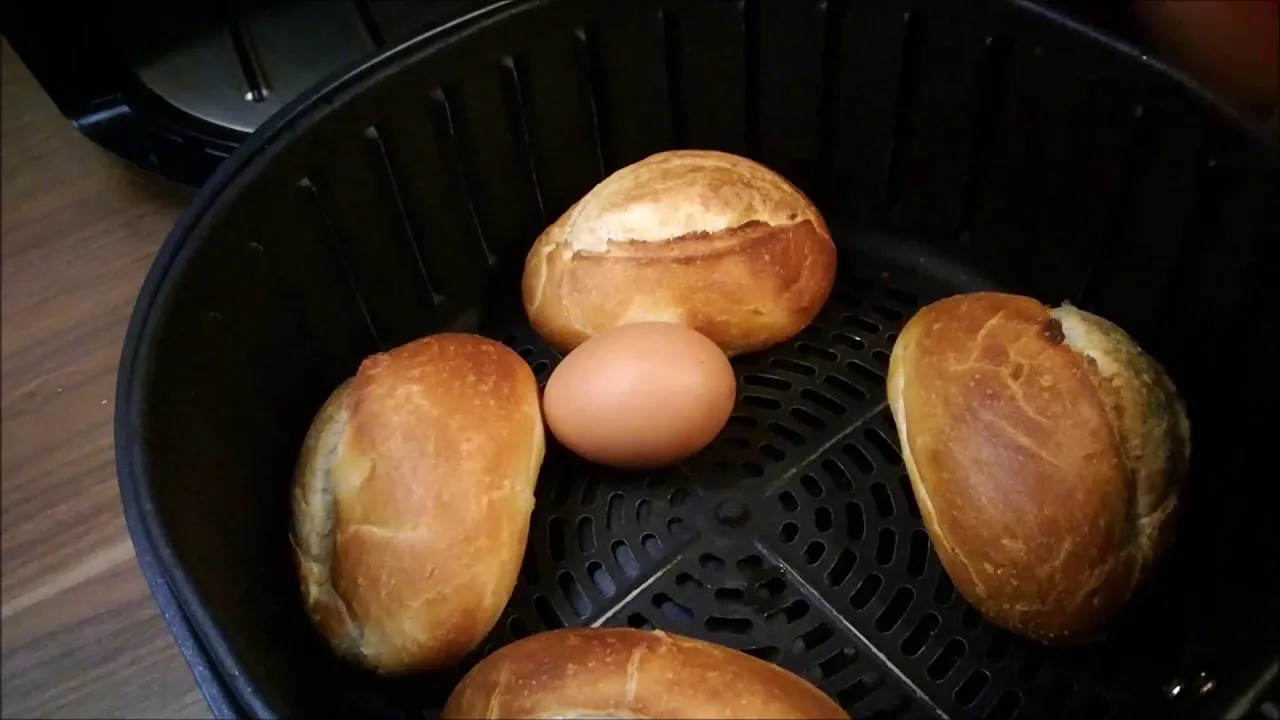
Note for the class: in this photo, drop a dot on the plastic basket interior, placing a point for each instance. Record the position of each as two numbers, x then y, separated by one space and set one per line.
951 146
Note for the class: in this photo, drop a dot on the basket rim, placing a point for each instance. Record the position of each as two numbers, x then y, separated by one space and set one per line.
220 675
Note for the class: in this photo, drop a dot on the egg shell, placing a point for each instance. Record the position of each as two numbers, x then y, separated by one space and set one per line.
641 395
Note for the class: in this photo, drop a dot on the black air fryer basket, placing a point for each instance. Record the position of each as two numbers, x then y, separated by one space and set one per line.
952 146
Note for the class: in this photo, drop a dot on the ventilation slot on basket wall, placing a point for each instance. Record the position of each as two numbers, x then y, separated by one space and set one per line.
333 249
446 137
392 190
992 76
493 154
904 109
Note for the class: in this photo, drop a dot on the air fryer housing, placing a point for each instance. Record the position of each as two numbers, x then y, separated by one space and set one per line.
951 147
174 88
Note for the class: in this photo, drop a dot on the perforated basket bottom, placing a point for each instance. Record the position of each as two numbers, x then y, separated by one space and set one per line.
793 537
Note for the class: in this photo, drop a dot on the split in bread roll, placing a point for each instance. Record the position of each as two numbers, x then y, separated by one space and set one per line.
412 499
626 673
709 240
1047 453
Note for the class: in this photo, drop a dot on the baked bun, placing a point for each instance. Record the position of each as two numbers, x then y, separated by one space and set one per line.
412 498
1047 452
626 673
710 240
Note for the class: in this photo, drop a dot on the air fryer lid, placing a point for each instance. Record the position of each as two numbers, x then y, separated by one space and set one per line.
951 147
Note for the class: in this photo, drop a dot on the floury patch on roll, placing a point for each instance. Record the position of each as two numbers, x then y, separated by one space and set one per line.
705 239
627 673
412 498
1047 453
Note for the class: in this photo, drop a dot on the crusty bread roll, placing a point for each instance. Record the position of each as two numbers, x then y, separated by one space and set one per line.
714 241
412 498
1047 453
626 673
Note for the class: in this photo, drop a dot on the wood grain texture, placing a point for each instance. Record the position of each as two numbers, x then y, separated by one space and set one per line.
81 635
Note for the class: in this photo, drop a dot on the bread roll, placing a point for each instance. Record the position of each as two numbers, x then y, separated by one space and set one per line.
1046 451
412 498
706 239
626 673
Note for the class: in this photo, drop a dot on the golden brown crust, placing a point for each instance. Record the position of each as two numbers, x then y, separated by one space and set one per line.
710 240
412 499
626 673
1046 452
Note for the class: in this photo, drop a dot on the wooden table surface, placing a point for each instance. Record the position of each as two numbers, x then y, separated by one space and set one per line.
81 636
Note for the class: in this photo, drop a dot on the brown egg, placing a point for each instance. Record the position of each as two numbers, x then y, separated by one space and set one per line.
641 395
